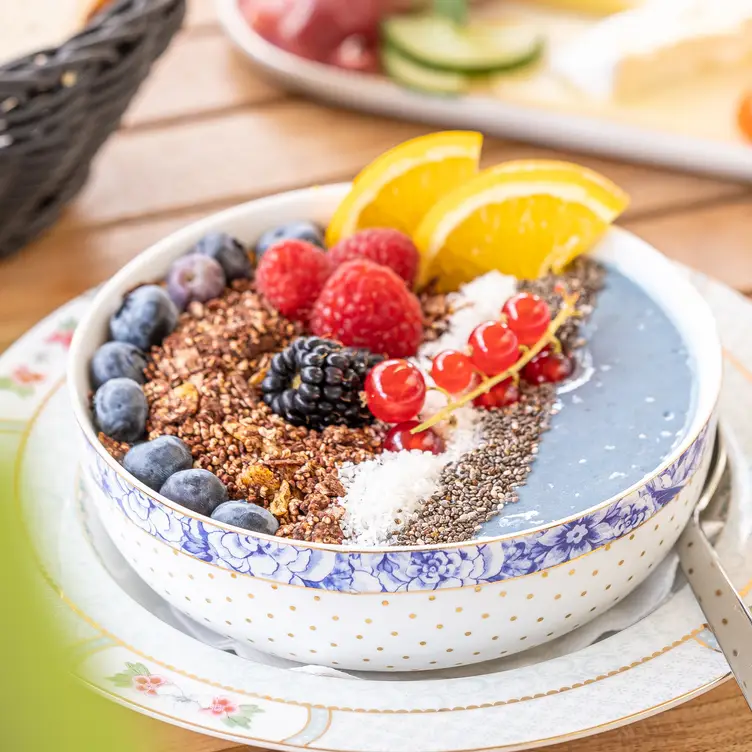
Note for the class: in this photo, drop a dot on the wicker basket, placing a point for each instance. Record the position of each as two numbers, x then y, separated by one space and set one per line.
57 107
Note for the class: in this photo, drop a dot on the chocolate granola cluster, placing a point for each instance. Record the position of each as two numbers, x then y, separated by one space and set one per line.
203 386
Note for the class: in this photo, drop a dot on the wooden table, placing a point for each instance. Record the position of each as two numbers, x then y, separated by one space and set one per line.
208 132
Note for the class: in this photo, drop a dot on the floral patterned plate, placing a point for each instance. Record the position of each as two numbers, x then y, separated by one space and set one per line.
128 645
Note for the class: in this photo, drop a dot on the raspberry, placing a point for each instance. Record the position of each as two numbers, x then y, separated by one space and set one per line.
291 275
367 305
383 246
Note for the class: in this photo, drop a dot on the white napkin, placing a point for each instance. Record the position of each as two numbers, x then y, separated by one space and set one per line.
665 580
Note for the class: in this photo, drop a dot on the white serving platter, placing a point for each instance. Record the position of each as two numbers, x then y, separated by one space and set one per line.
691 127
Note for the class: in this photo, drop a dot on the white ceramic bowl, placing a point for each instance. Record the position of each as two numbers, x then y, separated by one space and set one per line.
400 608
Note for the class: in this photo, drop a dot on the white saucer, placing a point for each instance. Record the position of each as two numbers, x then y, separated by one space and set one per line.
120 630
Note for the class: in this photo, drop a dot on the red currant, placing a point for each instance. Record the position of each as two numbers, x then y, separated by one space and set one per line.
548 367
453 371
528 316
505 393
399 439
395 390
494 347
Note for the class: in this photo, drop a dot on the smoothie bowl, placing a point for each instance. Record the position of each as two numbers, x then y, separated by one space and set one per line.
315 459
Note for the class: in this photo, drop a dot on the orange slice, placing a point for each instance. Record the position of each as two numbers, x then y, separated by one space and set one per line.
522 218
400 186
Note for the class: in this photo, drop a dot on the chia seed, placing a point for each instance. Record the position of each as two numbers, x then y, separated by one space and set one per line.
476 488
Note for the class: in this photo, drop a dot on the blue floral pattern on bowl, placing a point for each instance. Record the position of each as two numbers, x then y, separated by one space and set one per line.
474 563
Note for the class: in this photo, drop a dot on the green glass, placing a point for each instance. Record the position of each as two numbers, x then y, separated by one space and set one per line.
456 10
42 705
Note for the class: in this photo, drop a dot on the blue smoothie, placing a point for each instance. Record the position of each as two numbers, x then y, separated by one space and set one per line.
620 417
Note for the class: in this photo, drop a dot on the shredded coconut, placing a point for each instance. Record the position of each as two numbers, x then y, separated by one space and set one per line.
381 491
474 303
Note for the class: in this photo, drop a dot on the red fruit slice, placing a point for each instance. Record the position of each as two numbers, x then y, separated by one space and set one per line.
313 28
355 54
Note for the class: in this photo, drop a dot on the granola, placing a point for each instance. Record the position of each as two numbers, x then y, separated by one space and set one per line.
202 386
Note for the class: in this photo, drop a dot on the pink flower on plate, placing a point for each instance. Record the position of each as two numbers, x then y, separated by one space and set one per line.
148 684
24 375
63 334
62 337
221 706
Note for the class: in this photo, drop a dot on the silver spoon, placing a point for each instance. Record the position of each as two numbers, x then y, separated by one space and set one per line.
726 613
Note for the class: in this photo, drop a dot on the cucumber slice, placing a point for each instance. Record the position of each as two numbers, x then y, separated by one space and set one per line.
412 75
454 10
438 43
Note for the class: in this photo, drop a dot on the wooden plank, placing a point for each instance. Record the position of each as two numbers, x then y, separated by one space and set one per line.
220 78
701 725
73 260
201 15
290 144
241 155
76 257
165 738
714 239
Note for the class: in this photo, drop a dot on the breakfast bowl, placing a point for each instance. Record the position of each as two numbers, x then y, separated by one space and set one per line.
558 558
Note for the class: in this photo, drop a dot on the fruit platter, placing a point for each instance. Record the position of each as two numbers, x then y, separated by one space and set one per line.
436 416
663 81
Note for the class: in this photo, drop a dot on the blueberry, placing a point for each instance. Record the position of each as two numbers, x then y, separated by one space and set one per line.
153 462
145 318
303 230
248 516
228 251
115 360
120 409
195 277
197 490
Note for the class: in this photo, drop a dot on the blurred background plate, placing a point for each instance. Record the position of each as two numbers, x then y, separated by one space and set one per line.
690 127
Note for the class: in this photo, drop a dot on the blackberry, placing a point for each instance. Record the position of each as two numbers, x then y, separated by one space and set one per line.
317 382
